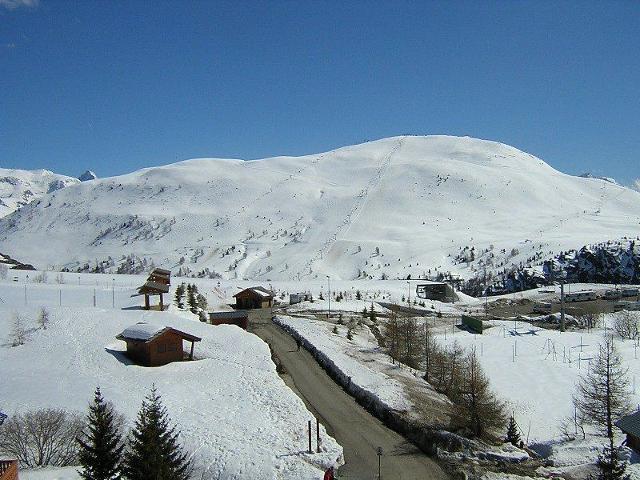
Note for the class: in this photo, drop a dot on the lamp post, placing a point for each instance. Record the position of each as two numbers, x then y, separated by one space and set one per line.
329 295
113 293
379 452
409 283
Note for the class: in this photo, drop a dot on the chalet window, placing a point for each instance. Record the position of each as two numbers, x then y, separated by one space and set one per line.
162 347
172 347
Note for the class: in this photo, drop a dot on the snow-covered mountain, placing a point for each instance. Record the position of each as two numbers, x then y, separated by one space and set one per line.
390 208
19 187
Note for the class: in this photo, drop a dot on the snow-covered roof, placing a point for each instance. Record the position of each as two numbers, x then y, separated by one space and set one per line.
630 424
145 332
142 331
263 292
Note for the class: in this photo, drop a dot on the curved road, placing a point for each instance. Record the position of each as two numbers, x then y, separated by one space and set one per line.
352 426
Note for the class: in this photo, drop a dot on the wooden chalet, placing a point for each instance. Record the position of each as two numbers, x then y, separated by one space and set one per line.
630 425
8 469
153 345
234 317
254 297
157 283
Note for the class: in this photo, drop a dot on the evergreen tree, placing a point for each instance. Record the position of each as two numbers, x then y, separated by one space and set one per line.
179 295
372 313
365 314
611 468
100 444
154 452
192 290
513 436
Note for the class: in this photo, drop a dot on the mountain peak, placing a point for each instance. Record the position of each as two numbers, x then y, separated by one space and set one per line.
87 175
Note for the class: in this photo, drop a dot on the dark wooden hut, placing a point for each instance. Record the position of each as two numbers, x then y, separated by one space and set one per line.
254 297
153 345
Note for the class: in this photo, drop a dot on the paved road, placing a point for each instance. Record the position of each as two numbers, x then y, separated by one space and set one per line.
353 427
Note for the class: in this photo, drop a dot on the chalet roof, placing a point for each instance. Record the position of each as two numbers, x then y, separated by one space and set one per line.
161 271
229 314
630 424
153 287
146 332
261 291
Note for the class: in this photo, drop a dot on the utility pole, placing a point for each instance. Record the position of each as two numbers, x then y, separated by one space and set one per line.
329 295
562 305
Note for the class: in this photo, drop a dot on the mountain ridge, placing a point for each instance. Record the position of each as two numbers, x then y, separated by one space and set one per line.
394 207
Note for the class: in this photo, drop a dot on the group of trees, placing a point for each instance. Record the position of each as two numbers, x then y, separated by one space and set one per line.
98 443
19 333
151 451
450 370
195 300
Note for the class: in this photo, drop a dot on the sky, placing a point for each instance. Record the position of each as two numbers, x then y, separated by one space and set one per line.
114 86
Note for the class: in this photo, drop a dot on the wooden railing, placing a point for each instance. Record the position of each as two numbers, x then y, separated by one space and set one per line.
8 470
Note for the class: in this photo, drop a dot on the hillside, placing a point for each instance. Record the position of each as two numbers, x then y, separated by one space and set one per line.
385 209
19 187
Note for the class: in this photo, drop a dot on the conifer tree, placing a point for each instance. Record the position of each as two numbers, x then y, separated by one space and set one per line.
611 468
100 444
513 436
154 452
192 290
179 295
372 313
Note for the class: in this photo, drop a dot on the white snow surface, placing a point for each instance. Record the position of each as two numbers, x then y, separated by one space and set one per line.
19 187
229 398
388 208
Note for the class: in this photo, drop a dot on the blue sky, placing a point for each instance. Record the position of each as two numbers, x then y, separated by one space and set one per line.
119 85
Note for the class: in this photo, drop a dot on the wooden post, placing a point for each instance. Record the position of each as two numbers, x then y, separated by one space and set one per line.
191 353
161 304
317 435
309 428
146 301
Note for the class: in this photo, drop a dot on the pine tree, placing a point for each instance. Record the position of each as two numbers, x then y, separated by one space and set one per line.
179 295
100 444
479 411
610 466
192 290
513 436
372 313
602 398
154 452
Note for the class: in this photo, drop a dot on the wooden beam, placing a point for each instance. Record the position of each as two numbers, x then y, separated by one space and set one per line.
161 303
146 301
191 354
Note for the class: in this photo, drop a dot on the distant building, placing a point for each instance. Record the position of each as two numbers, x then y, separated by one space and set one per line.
153 345
157 283
8 469
235 317
630 425
439 291
298 298
254 297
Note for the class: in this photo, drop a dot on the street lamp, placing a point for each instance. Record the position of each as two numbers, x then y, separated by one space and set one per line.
379 452
329 288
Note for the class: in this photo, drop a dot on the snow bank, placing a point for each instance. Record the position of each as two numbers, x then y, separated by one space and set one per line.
236 416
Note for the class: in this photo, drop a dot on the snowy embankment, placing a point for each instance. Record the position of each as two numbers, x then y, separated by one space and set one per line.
390 391
230 397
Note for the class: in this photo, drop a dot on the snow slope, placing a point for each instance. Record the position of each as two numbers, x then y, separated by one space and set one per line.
388 208
19 187
235 414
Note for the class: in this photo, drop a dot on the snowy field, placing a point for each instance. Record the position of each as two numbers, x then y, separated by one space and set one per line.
237 417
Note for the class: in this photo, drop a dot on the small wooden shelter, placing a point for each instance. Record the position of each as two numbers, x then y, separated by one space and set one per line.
157 283
234 317
8 469
439 291
630 425
153 345
254 297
